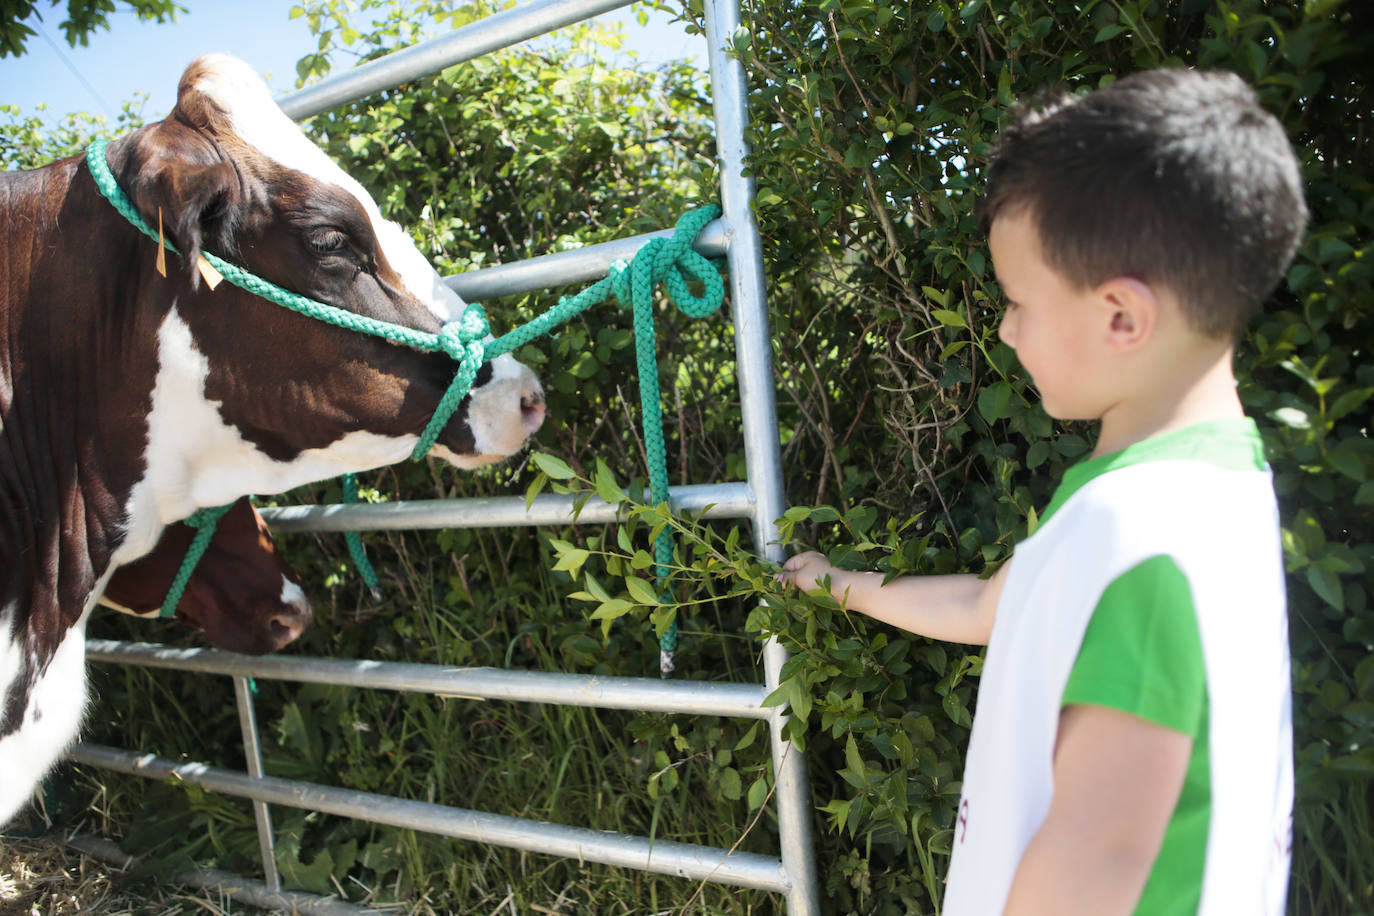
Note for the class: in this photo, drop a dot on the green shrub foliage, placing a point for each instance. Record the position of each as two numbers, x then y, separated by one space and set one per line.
911 441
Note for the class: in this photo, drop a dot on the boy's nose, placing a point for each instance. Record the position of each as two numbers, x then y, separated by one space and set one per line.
1006 328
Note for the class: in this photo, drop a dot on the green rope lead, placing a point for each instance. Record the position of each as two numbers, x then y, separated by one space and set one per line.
204 521
355 543
669 261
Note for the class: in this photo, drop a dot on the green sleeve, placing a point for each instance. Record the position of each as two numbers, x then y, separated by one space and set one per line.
1141 652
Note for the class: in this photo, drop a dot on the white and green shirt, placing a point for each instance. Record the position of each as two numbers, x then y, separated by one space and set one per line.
1154 585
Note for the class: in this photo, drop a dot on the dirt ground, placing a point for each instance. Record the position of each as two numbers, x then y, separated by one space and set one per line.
40 877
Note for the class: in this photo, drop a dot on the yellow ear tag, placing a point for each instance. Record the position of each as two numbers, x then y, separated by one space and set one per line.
207 270
161 246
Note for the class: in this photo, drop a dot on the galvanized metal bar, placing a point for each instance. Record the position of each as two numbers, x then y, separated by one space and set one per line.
708 698
565 268
252 752
492 33
712 501
754 358
760 499
703 863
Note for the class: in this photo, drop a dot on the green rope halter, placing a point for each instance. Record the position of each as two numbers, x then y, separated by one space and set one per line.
670 261
204 521
461 340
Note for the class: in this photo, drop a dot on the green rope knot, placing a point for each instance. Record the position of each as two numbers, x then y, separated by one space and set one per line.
458 339
463 341
204 521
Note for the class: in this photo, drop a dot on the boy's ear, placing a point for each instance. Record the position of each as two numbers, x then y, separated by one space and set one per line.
1131 308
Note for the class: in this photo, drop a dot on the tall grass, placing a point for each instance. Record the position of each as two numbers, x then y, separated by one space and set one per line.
1333 853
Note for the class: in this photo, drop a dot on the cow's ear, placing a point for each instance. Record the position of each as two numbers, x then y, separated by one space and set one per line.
183 174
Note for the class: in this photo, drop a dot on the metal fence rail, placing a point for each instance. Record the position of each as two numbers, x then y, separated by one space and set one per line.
665 857
759 499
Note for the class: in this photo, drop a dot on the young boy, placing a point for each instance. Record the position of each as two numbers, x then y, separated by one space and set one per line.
1132 748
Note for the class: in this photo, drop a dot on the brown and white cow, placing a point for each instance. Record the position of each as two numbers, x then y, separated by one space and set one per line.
242 594
128 399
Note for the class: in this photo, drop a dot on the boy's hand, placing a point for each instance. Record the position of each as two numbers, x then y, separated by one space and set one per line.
805 570
956 608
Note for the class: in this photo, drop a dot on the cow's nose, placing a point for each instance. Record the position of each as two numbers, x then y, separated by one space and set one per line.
293 617
532 409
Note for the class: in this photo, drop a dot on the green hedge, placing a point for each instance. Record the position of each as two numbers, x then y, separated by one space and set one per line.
911 440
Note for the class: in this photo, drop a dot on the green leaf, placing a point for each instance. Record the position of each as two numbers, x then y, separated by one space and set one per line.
642 591
740 39
801 699
536 486
1347 459
606 486
758 793
1327 585
749 737
1291 417
853 760
936 295
948 318
730 786
1364 677
555 468
994 400
1347 402
610 610
571 560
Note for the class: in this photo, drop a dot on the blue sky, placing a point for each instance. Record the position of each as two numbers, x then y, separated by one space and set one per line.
135 57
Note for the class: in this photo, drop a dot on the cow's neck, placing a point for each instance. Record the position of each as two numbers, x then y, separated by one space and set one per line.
78 365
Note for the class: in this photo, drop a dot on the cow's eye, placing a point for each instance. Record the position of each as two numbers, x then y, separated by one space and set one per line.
329 242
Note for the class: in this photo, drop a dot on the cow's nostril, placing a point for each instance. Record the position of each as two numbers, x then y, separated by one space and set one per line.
284 629
290 621
532 413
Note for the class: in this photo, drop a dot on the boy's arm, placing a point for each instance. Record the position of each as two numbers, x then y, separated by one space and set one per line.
1117 779
956 608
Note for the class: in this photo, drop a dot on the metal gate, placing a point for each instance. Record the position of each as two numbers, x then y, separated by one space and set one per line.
759 498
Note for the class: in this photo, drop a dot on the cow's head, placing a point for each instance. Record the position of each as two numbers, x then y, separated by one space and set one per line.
242 594
251 397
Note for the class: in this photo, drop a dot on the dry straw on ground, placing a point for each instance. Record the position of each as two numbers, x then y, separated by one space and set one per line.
41 877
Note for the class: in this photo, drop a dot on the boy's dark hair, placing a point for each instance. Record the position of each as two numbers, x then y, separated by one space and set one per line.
1174 177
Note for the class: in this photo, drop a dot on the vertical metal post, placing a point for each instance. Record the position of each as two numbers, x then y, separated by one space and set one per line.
754 356
248 724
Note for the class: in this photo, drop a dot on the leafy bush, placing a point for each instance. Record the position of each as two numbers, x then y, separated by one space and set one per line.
912 444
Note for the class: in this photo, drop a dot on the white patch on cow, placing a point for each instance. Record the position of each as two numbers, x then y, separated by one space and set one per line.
256 119
194 459
11 650
50 719
490 410
292 595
